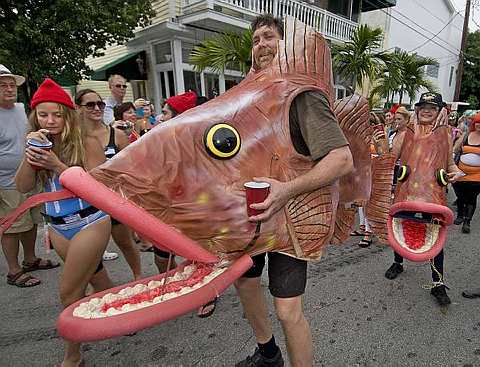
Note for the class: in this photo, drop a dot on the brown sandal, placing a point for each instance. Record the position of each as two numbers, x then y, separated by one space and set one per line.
39 264
18 281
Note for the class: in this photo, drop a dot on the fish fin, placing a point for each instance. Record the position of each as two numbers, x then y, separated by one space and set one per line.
310 222
378 206
353 115
343 224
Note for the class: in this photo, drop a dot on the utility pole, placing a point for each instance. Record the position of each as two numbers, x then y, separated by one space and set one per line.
458 83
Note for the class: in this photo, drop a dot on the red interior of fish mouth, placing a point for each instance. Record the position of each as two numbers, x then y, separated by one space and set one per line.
414 233
197 276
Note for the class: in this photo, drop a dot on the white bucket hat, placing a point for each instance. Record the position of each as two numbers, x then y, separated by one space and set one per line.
19 80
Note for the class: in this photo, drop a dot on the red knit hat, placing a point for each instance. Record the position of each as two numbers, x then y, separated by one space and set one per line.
182 102
49 91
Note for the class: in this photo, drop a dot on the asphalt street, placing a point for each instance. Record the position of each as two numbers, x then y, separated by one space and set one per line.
357 316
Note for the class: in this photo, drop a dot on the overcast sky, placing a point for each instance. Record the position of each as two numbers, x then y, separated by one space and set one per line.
474 12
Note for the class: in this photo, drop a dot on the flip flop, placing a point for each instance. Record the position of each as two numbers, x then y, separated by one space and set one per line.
37 265
109 256
357 233
14 279
207 309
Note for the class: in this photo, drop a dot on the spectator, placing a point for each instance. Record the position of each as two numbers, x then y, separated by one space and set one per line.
79 232
118 88
13 126
125 117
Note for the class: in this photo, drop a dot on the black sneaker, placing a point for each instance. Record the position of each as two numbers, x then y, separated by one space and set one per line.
393 271
458 220
440 293
257 360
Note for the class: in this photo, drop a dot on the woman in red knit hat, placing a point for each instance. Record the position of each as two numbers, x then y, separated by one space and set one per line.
78 231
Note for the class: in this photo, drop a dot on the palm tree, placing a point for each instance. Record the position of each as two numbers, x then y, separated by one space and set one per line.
227 50
403 74
359 58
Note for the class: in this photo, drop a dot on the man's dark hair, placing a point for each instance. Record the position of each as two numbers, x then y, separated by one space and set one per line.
201 100
268 20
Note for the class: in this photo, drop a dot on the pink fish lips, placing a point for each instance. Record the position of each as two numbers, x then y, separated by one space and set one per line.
137 305
417 230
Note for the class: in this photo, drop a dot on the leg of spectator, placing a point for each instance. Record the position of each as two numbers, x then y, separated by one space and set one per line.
123 237
28 240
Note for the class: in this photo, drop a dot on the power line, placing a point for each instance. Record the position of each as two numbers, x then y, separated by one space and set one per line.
436 34
413 29
433 15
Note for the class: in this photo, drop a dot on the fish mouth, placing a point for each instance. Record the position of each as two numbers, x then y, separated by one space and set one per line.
417 230
144 303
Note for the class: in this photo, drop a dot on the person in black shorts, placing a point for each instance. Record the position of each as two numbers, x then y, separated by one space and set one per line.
314 132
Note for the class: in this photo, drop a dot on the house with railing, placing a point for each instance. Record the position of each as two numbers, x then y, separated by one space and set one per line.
156 60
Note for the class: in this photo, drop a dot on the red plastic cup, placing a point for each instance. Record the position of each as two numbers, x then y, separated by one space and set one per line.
39 144
256 192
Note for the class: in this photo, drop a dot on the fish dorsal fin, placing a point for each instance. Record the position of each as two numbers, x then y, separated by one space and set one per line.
353 114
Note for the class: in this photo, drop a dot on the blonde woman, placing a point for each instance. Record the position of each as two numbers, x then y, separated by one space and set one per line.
102 143
78 231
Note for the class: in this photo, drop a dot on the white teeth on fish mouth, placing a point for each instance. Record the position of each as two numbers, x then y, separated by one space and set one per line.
93 308
431 235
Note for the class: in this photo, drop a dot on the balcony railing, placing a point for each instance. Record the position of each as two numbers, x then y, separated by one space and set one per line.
330 25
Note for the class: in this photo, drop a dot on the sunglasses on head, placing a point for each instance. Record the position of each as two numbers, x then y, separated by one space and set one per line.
123 86
91 105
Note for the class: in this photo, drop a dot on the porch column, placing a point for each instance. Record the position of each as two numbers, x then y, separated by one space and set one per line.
171 9
221 83
177 66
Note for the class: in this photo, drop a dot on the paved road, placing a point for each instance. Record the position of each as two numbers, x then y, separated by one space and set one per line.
358 317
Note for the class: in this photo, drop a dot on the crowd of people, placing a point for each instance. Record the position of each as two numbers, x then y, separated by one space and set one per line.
60 132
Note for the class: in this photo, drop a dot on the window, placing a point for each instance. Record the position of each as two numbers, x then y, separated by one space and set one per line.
187 48
231 81
163 52
211 85
432 71
192 81
450 79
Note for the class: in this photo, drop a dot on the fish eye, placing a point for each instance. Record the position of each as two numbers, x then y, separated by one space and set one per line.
222 141
403 173
442 177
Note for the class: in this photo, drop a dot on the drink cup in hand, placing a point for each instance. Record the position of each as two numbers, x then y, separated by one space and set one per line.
48 145
256 192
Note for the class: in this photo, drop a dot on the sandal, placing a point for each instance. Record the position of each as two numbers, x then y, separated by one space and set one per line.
207 309
359 232
39 264
366 241
22 280
146 249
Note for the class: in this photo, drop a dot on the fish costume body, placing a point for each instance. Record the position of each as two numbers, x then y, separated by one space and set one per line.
181 187
419 216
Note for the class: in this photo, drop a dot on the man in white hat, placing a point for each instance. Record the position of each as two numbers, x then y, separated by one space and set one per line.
13 125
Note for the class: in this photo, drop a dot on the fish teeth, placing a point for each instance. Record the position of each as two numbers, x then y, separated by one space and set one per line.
92 308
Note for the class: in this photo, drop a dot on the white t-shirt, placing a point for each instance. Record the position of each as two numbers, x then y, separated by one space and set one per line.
13 128
108 117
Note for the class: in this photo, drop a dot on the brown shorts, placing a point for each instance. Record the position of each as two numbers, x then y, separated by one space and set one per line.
11 200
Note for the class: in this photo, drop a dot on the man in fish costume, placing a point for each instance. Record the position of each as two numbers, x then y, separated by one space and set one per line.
278 125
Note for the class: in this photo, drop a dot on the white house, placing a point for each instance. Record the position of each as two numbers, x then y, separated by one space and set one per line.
431 28
156 60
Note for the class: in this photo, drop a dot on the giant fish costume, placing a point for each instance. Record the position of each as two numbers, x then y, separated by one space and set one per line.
181 187
417 225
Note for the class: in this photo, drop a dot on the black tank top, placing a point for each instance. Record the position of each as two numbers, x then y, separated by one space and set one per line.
111 149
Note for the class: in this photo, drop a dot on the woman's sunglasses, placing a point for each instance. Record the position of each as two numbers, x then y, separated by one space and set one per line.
91 105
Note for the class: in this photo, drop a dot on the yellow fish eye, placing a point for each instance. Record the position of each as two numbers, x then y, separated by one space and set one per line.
441 176
222 141
403 173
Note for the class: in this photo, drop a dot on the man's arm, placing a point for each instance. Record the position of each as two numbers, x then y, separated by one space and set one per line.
334 165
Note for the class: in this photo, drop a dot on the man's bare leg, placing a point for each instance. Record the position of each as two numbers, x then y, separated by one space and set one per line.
296 329
255 307
10 244
28 243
